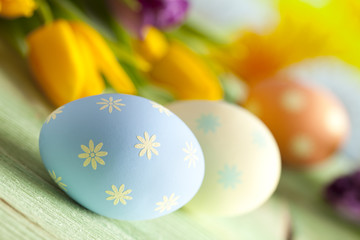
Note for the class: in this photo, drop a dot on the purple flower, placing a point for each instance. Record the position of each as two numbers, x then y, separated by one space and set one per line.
344 194
162 14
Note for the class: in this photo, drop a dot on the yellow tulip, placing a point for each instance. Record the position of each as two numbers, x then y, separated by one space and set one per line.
153 47
104 58
67 59
178 69
304 31
17 8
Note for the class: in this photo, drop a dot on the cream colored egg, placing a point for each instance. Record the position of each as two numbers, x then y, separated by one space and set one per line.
242 160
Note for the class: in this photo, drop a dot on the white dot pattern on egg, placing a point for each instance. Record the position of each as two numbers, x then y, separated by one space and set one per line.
242 160
122 156
293 100
302 146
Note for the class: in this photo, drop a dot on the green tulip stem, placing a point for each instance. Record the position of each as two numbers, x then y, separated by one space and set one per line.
45 11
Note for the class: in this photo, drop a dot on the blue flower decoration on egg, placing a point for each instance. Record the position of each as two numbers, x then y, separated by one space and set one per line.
122 156
208 123
258 139
229 176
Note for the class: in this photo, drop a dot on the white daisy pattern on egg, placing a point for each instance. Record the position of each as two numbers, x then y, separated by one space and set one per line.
161 108
147 145
92 154
119 195
111 104
54 114
57 180
191 157
168 203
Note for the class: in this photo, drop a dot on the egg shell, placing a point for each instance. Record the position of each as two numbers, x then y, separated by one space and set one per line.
242 160
308 122
122 156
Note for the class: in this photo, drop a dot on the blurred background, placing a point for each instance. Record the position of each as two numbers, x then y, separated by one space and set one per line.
293 63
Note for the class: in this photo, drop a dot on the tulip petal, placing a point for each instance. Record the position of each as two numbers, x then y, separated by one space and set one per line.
105 59
183 72
56 62
153 47
17 8
93 83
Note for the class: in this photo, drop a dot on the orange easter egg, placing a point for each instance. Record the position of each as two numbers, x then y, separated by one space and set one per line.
308 122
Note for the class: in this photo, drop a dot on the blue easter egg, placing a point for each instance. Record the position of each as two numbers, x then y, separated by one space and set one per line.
122 156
